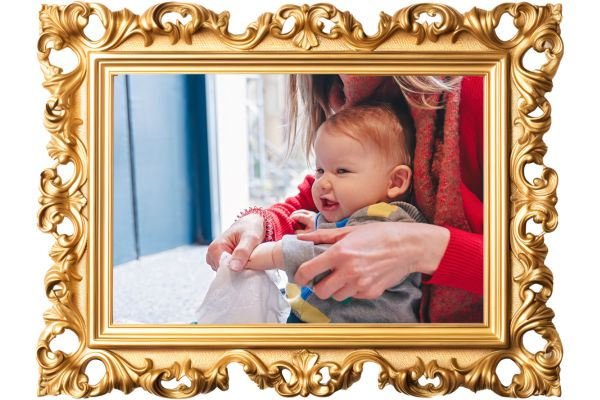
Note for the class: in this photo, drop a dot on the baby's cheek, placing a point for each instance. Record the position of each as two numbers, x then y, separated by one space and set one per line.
315 197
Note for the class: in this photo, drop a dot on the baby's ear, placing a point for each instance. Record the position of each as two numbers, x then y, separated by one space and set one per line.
399 181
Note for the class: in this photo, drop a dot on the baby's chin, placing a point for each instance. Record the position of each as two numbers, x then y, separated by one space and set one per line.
333 216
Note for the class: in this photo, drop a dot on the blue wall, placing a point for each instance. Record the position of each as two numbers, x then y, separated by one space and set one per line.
161 188
123 229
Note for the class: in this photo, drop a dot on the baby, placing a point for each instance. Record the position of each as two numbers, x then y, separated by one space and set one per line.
363 158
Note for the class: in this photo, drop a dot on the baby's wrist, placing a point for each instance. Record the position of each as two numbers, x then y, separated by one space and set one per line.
277 254
266 255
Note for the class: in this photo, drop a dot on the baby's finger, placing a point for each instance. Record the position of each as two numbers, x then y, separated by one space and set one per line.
303 219
302 211
297 213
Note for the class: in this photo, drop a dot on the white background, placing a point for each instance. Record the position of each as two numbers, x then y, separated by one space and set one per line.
573 151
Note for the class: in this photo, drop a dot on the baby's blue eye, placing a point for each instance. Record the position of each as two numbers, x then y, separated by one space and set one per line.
342 171
319 171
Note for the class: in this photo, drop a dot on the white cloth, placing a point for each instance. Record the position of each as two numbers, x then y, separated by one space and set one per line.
244 297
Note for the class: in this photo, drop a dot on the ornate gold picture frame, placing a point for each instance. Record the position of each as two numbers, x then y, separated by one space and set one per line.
517 284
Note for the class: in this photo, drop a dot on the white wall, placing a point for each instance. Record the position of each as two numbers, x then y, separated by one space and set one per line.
573 150
232 146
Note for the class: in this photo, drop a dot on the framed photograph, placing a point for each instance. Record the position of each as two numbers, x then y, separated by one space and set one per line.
300 198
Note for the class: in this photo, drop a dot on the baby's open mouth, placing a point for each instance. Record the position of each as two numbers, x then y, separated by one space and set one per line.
329 205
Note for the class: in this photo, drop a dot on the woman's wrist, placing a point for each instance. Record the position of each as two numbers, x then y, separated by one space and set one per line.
261 216
433 242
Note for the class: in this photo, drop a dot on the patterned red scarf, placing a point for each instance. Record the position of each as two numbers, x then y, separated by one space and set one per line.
436 167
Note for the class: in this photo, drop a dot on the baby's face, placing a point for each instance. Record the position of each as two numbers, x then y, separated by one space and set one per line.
349 175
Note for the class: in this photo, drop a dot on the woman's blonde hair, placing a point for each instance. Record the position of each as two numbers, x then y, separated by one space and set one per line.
308 105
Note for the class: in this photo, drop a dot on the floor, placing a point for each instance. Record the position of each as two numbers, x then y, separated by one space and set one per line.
162 288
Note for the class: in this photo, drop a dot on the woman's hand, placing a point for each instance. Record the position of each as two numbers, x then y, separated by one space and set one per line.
239 240
365 260
306 218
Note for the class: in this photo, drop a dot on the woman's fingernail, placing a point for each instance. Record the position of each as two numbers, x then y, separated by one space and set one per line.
235 265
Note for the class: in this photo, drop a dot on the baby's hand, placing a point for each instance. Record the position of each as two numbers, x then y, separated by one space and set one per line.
306 218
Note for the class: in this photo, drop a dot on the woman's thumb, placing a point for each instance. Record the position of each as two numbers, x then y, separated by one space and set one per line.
242 252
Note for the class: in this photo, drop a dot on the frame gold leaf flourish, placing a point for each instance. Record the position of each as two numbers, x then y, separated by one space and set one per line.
63 27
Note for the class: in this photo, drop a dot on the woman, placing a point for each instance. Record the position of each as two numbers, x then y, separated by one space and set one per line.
448 189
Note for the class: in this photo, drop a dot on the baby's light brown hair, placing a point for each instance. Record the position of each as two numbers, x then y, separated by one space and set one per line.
390 129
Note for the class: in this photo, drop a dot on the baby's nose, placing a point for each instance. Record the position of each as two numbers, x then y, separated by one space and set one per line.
324 184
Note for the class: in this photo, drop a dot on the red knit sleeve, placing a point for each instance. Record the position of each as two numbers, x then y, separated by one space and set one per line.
280 212
462 264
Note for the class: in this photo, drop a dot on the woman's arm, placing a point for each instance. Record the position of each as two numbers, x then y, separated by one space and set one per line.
461 266
454 293
365 260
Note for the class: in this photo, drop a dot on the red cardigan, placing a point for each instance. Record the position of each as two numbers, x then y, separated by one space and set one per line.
454 293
